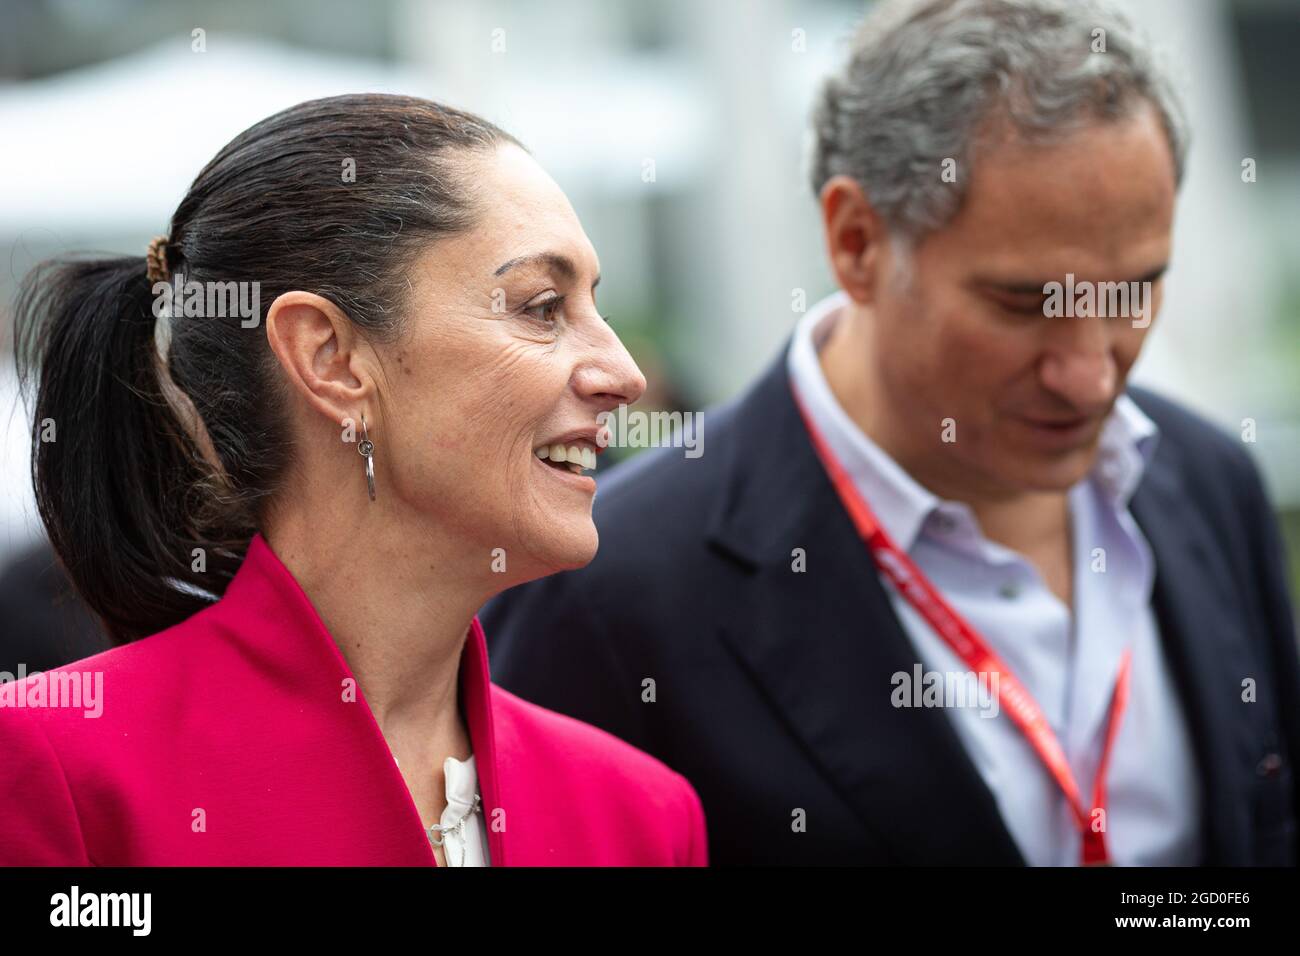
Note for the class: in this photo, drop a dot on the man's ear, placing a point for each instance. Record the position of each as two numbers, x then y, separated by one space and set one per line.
324 359
854 236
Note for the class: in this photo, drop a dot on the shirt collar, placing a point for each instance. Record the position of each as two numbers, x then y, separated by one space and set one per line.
1128 443
903 505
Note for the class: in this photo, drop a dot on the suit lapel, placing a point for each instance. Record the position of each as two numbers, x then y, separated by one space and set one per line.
823 644
1201 641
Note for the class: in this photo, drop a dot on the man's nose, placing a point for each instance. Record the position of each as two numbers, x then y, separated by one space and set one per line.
1083 373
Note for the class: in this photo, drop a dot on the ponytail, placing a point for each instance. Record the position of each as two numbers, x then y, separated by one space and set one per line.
116 472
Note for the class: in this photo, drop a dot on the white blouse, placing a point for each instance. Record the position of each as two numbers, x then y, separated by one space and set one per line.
463 833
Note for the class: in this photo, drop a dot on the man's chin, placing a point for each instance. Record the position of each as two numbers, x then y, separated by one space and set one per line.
1051 473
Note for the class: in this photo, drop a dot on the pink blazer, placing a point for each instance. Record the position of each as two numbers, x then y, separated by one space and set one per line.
228 740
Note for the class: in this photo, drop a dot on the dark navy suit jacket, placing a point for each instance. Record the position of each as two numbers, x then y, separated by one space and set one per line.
772 688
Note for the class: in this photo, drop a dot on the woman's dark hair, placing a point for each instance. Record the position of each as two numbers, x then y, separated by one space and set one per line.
136 466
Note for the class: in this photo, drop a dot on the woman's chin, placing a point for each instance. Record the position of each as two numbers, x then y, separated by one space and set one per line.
569 547
580 550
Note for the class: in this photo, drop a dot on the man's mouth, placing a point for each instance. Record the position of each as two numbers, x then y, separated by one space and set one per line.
576 458
1060 424
1060 433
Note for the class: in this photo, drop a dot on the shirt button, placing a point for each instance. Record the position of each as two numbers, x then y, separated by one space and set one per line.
944 523
1010 590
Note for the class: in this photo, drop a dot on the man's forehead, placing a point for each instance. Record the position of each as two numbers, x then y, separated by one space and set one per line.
1103 189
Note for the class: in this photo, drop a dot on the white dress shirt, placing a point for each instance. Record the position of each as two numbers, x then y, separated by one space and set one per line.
464 845
1067 660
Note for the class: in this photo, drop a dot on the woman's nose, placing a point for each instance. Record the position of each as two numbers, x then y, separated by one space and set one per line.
609 373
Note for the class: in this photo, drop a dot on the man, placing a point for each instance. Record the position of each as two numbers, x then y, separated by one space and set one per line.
944 483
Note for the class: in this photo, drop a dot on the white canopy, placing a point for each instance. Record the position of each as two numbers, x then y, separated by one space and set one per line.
111 148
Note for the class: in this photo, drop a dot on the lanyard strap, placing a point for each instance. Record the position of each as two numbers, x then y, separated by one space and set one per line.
970 646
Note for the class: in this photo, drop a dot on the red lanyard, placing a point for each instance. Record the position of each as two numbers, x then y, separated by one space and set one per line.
967 644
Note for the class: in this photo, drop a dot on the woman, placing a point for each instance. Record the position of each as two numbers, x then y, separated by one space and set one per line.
352 393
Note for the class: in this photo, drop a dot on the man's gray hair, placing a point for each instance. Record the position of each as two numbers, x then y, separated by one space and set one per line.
925 78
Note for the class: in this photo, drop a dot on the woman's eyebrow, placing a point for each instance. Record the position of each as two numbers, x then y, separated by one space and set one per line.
553 260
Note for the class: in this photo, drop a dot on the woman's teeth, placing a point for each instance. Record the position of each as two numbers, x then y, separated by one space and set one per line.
576 457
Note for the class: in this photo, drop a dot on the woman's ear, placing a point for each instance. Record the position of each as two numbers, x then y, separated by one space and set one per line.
854 236
323 358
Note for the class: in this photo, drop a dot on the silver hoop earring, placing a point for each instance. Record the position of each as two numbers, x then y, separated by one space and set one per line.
367 449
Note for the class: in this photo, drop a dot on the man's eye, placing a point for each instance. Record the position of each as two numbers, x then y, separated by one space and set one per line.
1023 305
544 311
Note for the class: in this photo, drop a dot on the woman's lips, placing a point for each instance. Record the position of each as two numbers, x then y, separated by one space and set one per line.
574 480
580 454
571 456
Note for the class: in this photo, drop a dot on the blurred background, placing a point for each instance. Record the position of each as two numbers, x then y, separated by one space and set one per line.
677 128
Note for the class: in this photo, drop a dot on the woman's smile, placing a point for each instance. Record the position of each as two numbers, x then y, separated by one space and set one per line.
568 458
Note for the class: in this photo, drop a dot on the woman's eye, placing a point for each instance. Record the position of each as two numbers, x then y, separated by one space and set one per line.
546 310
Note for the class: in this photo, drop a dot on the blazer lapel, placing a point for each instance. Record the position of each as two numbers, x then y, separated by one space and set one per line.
1192 600
476 692
824 642
281 634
